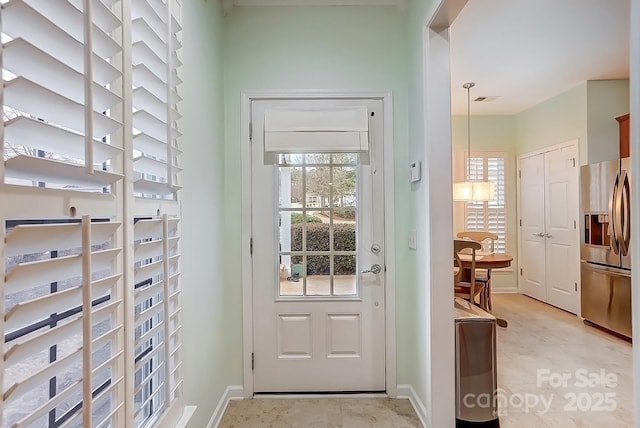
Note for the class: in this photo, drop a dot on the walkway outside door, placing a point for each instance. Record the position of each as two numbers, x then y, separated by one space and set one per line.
318 259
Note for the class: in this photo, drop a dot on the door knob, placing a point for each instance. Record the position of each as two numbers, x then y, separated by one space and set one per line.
548 235
539 235
375 269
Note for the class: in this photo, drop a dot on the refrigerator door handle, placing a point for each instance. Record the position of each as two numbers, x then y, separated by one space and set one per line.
625 213
613 217
605 269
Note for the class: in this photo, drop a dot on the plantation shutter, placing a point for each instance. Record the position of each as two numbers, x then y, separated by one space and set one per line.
62 125
157 316
156 45
155 56
63 357
490 215
68 359
59 65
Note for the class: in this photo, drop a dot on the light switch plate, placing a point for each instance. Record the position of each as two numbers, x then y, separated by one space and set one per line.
416 174
413 239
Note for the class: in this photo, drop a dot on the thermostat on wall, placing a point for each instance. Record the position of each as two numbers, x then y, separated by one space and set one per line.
415 171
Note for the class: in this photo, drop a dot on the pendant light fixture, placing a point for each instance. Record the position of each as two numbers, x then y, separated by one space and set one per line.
474 191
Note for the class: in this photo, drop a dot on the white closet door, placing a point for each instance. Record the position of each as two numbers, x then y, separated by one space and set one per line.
549 251
532 200
561 216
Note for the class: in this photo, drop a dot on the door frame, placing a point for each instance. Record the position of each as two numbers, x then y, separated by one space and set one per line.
569 143
389 222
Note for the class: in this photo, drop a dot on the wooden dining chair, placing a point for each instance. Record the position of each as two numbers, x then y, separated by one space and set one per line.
465 284
488 240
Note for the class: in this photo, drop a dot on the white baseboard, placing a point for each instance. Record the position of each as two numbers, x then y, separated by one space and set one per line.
233 392
505 290
407 391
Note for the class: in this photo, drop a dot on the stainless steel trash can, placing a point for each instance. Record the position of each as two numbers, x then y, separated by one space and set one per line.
476 375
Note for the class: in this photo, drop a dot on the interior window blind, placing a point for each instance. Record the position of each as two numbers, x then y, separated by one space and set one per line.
63 362
491 215
326 130
158 379
60 110
156 39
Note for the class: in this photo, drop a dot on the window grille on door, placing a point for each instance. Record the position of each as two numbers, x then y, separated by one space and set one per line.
318 224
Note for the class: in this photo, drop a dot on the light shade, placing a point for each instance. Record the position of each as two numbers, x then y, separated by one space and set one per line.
320 130
473 191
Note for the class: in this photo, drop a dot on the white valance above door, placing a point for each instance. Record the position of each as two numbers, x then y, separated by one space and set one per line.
322 130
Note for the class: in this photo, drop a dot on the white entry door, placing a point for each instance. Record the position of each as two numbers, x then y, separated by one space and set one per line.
318 254
549 251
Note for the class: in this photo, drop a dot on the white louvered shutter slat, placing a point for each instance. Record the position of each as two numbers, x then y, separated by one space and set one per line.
40 101
47 287
144 77
46 58
24 59
52 404
43 307
145 100
155 62
57 140
156 283
102 14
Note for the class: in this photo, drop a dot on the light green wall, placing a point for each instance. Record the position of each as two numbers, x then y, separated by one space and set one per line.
586 112
557 120
205 339
606 100
333 48
491 133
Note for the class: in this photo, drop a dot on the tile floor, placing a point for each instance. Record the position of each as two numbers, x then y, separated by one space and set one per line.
541 345
320 413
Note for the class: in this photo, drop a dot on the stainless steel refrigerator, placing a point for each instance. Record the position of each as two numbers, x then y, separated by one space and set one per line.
605 253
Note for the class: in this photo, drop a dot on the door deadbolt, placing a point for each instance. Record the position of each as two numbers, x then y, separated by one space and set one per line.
375 249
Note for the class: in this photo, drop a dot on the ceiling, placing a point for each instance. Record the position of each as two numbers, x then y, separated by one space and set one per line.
527 51
522 52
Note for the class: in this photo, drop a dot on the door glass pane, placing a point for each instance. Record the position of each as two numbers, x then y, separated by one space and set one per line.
344 279
317 224
318 280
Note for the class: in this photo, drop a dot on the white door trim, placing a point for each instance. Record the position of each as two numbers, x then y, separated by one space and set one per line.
568 143
389 222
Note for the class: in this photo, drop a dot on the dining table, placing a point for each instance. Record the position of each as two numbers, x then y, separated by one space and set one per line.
488 261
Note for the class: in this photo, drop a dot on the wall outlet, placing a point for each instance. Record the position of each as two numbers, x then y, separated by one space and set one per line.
413 239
